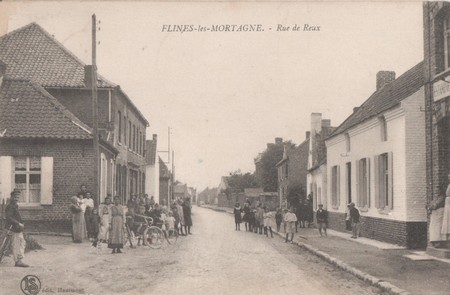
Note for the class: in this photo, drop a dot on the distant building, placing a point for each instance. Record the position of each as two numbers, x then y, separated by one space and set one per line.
152 169
292 169
317 159
165 183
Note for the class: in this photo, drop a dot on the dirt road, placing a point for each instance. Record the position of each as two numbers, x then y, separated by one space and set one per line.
216 259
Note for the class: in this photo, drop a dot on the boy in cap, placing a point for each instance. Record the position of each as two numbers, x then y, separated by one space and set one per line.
14 221
354 218
322 220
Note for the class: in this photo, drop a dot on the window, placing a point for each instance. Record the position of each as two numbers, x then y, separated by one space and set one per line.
347 142
384 181
129 135
363 183
119 131
383 128
124 130
27 178
33 176
134 138
447 41
335 189
348 182
287 170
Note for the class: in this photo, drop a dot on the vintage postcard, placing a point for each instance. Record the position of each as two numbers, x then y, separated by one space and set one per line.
224 147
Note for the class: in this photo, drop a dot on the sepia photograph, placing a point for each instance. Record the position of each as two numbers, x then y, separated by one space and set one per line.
225 147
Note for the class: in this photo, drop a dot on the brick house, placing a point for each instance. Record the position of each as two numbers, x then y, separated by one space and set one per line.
316 179
152 169
31 54
375 159
292 169
436 22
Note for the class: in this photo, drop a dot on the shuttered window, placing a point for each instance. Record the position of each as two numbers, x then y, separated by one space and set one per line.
384 181
363 183
335 188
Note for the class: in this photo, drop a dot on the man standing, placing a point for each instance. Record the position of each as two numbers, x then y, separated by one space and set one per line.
354 217
322 220
14 221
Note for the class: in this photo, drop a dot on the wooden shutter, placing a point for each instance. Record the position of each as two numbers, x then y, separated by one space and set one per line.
390 181
358 178
338 185
376 174
6 177
46 180
367 202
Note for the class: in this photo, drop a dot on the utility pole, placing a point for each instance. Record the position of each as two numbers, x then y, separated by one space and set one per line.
173 174
95 110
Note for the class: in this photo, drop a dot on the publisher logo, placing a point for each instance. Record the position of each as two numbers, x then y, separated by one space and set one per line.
30 285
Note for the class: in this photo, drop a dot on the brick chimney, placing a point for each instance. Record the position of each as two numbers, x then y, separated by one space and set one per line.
2 71
384 78
88 76
326 123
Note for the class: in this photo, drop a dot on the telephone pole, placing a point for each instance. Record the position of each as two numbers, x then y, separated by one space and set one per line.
95 110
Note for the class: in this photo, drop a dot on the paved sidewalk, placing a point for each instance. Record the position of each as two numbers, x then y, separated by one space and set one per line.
391 267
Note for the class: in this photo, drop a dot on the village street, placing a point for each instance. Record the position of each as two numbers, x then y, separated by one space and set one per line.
216 259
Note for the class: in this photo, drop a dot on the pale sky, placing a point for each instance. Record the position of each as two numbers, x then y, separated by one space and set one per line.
227 94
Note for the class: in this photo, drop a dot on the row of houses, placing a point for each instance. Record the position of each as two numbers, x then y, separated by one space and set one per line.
46 136
390 156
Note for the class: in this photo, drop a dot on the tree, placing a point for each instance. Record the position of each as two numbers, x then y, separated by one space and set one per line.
237 181
271 156
295 194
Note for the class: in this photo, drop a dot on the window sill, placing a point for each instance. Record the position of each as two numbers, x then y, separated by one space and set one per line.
25 206
441 75
364 209
384 211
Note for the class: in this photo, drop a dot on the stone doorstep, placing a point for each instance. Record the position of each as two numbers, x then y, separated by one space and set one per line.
438 253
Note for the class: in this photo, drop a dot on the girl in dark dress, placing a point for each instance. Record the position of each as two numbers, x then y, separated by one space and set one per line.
237 216
246 218
187 216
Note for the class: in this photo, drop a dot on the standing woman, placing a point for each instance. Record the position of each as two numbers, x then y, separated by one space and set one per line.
89 202
237 216
187 216
78 221
117 235
246 217
181 216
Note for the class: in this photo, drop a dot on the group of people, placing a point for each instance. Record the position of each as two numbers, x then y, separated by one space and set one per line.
259 219
107 223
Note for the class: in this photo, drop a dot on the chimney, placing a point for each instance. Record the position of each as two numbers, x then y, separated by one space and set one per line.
88 76
384 78
326 123
155 136
316 121
2 71
278 140
308 134
355 109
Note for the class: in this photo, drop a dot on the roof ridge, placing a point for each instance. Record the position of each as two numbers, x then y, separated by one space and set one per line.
386 89
60 107
59 44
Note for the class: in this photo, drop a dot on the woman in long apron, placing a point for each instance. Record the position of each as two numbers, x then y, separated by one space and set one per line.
117 234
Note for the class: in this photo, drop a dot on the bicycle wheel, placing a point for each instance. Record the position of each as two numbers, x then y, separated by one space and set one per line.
153 237
129 238
4 247
171 236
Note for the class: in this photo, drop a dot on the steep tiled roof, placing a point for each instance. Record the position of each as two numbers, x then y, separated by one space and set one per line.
386 98
33 54
28 111
163 170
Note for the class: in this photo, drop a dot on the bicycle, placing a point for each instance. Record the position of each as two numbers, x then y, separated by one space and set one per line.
153 236
6 242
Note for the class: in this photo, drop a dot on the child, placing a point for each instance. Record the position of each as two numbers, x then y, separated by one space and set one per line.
138 223
260 217
279 219
354 218
170 222
322 219
290 218
105 220
268 221
95 222
237 216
